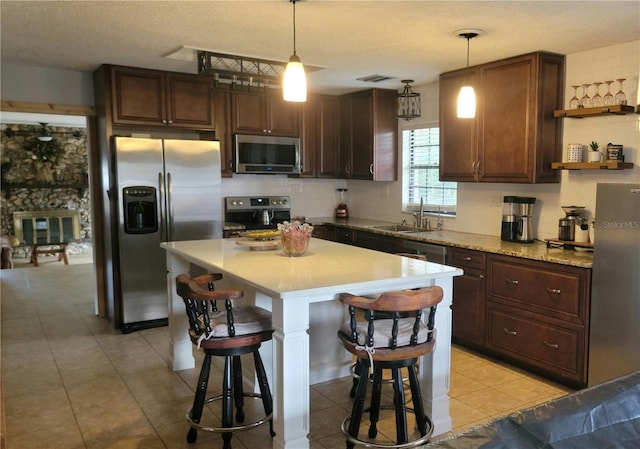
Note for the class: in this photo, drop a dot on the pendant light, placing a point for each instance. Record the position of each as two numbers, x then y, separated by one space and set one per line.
467 96
294 83
408 102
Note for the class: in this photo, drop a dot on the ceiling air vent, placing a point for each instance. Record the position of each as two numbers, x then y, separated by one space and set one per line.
375 78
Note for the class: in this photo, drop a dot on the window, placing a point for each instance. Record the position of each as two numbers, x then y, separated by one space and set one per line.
421 148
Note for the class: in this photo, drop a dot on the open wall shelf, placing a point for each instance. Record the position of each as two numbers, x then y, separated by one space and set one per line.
616 109
606 165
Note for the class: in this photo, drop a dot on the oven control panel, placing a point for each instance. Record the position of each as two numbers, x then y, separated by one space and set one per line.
240 203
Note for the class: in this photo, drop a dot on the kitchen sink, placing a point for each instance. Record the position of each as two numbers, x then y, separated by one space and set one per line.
405 229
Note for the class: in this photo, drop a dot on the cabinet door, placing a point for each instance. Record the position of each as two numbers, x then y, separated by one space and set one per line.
507 118
221 115
458 147
190 101
369 135
361 158
321 137
468 307
283 117
310 137
137 96
328 135
260 114
249 113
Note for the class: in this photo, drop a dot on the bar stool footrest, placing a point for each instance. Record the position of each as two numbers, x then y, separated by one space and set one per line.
417 442
240 428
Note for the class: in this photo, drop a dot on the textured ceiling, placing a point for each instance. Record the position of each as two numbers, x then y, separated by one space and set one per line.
349 39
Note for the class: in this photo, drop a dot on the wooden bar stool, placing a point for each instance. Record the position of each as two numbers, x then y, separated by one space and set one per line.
356 368
229 333
390 343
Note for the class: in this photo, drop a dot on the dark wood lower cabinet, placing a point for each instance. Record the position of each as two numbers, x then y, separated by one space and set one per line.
537 316
530 313
552 347
377 242
468 308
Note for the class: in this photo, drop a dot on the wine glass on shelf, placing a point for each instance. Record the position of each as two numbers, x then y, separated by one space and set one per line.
575 101
621 98
596 100
608 99
585 101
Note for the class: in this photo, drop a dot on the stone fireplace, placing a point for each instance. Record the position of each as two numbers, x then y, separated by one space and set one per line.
58 185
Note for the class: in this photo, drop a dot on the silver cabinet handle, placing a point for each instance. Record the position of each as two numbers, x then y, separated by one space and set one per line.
553 290
371 168
510 281
473 167
507 331
481 276
551 345
466 258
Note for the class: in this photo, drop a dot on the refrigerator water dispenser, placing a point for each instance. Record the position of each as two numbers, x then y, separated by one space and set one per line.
140 210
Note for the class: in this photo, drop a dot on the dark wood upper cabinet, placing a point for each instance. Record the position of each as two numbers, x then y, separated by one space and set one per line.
222 120
369 135
321 137
157 98
514 136
265 114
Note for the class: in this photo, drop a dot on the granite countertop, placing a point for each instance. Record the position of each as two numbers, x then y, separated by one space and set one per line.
490 244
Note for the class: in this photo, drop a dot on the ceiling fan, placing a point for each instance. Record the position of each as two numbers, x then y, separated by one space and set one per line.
43 134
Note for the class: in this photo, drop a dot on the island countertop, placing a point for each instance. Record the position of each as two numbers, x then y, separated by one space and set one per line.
479 242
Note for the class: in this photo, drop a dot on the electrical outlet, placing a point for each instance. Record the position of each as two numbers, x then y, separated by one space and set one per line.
496 199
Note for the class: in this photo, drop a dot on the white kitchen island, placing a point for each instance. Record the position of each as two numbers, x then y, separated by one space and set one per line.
292 286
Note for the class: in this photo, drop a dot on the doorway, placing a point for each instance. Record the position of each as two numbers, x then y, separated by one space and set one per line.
67 184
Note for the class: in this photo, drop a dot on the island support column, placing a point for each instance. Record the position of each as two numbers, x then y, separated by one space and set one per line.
291 373
435 368
180 347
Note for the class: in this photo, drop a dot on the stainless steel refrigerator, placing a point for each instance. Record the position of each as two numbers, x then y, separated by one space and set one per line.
167 190
614 341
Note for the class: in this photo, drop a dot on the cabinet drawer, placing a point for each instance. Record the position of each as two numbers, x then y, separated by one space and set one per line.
537 288
556 349
466 258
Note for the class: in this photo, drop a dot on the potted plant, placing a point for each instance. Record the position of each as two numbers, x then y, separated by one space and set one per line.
594 155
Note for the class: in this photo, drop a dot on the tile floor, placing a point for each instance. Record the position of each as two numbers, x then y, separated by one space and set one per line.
69 381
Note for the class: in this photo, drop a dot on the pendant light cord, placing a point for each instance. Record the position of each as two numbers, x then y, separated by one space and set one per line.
468 39
294 27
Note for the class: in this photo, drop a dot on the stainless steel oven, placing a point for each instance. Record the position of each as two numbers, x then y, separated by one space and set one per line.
255 212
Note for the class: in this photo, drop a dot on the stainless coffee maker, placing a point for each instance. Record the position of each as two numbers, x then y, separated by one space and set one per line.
517 219
526 205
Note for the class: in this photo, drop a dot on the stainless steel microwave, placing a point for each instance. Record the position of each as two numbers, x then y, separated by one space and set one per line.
267 154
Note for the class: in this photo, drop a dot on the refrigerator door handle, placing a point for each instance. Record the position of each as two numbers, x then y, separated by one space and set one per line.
163 212
169 210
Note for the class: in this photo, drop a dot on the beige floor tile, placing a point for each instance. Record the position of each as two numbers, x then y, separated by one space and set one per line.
490 401
464 415
67 437
461 385
490 374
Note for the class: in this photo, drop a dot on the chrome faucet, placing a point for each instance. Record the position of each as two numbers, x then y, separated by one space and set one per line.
419 216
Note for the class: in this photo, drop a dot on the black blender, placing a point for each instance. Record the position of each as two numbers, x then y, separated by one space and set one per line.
341 209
